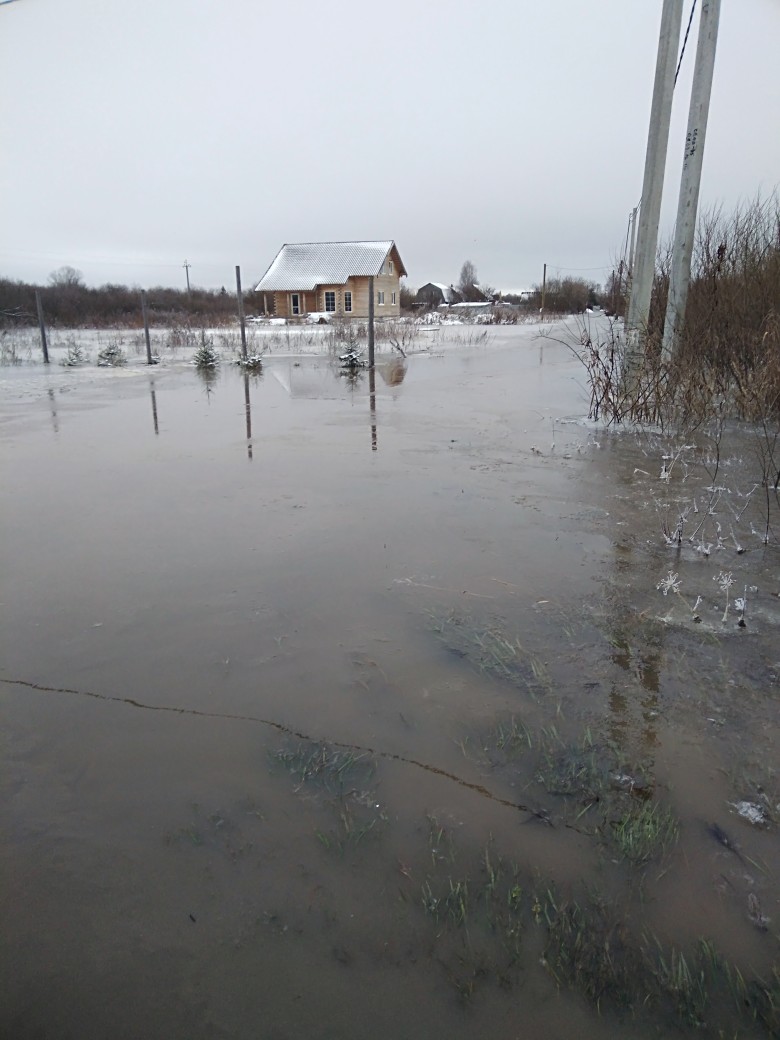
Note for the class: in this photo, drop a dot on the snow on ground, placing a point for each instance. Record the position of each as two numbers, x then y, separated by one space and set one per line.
23 374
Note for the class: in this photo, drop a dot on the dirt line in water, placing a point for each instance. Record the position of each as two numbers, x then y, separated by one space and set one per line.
479 789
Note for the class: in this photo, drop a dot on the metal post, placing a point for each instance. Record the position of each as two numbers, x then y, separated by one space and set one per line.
653 181
544 290
241 312
187 265
370 322
149 359
42 325
688 202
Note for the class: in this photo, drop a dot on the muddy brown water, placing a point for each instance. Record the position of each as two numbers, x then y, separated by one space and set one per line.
324 711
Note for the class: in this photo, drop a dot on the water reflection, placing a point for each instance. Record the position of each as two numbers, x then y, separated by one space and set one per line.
53 408
154 409
209 377
393 372
372 406
637 651
248 411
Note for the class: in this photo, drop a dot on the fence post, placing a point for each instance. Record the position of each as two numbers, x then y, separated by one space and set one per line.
42 325
149 360
370 322
241 312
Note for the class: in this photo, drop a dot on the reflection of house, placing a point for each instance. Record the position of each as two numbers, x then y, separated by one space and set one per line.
434 294
332 278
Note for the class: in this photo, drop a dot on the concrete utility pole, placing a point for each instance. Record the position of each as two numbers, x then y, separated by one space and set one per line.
544 290
187 265
688 203
653 182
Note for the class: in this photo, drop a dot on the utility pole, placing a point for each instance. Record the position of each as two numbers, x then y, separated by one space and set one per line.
544 290
652 184
688 202
187 265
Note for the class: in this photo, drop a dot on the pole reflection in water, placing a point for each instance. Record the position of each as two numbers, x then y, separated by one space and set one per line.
248 410
372 406
53 407
154 409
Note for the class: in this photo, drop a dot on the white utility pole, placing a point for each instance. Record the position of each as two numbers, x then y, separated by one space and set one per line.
653 182
688 203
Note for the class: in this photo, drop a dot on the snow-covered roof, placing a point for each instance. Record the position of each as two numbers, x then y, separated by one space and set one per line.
448 293
302 266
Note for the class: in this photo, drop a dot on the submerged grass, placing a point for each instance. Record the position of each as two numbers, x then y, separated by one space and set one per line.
646 832
489 916
332 768
346 780
488 648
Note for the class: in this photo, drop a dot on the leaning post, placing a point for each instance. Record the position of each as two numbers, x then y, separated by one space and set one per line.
145 313
42 325
240 297
652 190
688 201
370 322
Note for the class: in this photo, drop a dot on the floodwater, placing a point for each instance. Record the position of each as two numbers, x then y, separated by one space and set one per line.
337 707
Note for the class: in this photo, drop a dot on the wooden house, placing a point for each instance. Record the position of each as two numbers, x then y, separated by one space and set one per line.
332 278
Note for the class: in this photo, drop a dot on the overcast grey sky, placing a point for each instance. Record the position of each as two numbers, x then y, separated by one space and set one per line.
134 135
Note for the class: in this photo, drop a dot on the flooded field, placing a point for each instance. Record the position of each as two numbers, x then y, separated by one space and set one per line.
402 704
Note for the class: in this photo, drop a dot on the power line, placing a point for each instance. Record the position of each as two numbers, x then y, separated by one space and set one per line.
682 52
603 267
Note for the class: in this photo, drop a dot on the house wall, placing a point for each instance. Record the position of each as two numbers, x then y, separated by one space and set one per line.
282 304
358 286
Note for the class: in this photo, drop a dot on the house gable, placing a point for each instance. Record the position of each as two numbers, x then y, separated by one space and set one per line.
302 273
302 266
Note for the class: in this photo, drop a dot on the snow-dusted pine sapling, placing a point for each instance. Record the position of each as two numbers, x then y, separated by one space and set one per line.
112 355
672 583
205 355
725 581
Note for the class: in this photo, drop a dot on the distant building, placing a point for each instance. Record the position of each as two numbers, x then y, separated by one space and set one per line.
434 294
331 278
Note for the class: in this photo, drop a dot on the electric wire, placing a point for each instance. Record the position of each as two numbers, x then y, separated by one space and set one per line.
682 52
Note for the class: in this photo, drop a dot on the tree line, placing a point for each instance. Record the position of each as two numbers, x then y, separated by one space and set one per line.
68 303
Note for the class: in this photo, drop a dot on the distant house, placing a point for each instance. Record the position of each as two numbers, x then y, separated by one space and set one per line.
332 278
434 294
477 294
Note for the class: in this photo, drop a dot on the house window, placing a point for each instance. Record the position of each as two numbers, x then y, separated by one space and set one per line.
330 302
389 266
392 298
295 303
380 299
347 302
